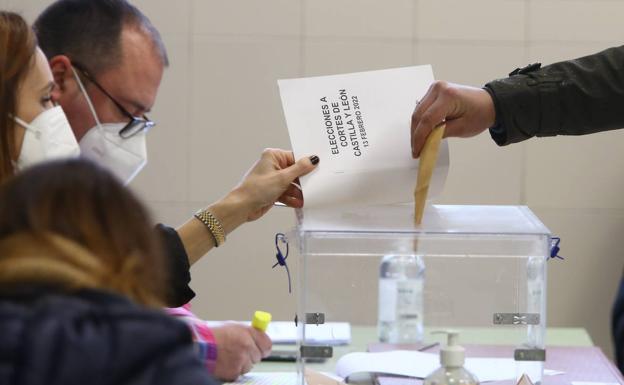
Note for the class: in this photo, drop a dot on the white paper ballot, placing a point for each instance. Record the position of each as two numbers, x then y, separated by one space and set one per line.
359 126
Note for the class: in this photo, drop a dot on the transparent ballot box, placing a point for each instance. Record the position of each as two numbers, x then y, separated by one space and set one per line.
378 282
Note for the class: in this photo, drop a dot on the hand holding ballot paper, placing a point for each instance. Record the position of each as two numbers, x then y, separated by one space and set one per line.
359 124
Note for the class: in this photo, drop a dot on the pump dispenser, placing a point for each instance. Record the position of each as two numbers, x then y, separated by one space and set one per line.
452 358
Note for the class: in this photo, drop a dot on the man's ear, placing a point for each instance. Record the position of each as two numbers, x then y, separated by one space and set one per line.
63 74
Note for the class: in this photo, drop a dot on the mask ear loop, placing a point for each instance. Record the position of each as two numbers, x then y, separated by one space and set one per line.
86 95
281 258
25 125
28 128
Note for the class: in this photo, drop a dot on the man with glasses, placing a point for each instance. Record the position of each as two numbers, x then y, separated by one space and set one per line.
135 124
108 61
120 146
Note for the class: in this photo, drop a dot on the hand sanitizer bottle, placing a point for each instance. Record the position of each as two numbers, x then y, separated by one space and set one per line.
401 280
452 358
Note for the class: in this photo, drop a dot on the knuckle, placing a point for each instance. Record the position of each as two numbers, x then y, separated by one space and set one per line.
439 86
450 92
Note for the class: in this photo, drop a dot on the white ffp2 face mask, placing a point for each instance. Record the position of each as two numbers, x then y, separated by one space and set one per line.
49 136
124 157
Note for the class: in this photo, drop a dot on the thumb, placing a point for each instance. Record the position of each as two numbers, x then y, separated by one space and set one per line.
302 167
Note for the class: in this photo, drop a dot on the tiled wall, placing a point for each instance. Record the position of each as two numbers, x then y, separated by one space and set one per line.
218 108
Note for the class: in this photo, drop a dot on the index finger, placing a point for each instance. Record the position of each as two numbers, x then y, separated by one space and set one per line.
423 104
285 158
433 116
419 111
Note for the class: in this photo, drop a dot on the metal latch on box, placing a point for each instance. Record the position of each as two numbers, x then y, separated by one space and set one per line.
516 319
316 351
530 355
315 318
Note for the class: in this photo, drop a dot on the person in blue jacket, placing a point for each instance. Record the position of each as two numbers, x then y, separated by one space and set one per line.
82 277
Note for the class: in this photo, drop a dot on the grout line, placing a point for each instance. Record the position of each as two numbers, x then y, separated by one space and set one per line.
302 39
189 90
524 173
378 39
415 40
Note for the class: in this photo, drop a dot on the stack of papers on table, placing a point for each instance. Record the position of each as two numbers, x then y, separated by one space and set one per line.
285 332
330 333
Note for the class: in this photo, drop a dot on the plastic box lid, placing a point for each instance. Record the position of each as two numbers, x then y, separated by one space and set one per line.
438 219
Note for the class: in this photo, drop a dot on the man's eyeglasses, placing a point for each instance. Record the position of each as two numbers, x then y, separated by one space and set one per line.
136 124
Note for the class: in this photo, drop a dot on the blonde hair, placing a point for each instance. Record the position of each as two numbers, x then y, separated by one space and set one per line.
53 260
74 224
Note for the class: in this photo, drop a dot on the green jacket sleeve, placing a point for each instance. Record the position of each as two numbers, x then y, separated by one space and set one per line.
573 97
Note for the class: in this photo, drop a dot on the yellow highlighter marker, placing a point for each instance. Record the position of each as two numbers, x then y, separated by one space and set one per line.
261 320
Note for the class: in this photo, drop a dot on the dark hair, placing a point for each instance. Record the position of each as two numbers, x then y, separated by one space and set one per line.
78 201
89 31
17 49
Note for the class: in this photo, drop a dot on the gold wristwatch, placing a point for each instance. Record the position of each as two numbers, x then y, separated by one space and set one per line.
213 225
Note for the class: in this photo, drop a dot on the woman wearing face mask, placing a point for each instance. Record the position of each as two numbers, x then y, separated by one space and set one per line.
32 129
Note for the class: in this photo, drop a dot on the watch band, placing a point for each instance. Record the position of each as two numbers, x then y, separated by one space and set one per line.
213 225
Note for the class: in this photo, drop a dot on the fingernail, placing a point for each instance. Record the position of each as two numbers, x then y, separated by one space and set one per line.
314 159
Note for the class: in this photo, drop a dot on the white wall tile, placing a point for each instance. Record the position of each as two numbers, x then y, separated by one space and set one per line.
359 18
582 288
165 178
28 9
470 63
244 17
236 107
167 18
170 18
171 214
548 53
236 279
576 172
354 55
576 20
471 20
483 173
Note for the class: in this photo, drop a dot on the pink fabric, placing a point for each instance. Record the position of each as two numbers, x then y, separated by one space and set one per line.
202 335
